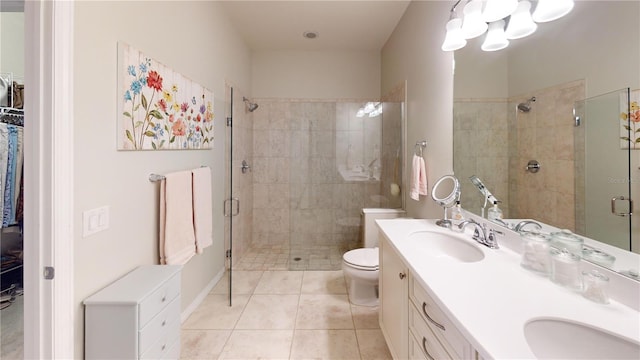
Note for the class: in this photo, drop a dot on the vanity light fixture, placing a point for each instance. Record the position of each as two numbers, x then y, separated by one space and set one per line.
372 109
496 13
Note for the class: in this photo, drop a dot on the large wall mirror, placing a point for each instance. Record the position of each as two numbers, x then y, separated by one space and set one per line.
518 104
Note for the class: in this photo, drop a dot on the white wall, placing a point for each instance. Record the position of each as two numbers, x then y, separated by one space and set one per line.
193 38
413 53
12 44
316 74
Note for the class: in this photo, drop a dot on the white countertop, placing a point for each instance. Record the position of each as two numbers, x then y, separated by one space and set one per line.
491 300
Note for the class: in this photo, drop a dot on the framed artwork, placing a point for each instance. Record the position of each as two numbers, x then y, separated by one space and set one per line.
630 121
158 108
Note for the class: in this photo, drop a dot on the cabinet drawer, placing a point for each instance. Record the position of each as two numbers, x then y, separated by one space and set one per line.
437 321
165 344
156 301
416 349
159 325
427 341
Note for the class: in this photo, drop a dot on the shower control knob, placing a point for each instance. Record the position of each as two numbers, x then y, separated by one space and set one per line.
402 275
533 166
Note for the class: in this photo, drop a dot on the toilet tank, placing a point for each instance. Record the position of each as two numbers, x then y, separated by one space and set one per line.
370 229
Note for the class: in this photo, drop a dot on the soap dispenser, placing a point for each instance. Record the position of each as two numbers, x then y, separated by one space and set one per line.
456 212
495 212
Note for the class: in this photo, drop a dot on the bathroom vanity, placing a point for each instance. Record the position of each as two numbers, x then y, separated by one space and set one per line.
443 295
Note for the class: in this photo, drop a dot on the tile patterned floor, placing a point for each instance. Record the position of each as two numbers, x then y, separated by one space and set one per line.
283 315
278 257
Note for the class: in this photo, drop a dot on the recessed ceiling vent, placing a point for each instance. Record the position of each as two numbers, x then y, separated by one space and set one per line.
310 34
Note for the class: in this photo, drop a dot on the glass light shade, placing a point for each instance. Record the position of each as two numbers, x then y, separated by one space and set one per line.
496 39
472 23
549 10
495 10
520 22
454 39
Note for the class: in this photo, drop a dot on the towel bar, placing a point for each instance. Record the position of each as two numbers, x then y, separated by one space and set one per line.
156 177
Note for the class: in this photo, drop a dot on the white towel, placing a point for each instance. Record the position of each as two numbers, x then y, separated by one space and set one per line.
418 178
202 208
177 239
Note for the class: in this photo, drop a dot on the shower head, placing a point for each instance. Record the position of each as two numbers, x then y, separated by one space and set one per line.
526 106
250 106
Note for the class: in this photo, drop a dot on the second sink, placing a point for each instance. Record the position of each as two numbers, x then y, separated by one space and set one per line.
441 245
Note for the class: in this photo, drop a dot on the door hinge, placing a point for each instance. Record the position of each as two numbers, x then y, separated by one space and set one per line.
228 254
229 121
49 273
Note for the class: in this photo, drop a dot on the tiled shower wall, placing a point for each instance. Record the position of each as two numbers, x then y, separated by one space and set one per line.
495 141
546 134
481 148
301 201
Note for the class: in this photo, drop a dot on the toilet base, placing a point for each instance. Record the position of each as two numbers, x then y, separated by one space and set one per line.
363 287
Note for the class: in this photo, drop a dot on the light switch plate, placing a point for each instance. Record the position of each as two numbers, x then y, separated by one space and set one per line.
95 220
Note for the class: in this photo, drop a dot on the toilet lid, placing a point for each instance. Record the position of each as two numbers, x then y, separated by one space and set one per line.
362 258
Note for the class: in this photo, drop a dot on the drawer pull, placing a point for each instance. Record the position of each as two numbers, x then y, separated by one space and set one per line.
164 322
424 347
164 298
402 275
164 346
424 311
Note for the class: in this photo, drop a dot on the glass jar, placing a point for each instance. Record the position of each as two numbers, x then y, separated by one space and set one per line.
535 252
565 269
595 286
598 256
565 239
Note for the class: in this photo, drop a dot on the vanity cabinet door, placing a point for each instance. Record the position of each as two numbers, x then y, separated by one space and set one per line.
394 300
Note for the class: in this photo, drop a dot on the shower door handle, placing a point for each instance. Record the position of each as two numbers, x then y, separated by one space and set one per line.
228 207
621 198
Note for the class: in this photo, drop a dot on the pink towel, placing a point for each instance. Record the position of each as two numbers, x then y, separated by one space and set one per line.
177 239
418 178
202 208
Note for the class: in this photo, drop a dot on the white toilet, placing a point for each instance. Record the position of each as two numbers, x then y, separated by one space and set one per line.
360 266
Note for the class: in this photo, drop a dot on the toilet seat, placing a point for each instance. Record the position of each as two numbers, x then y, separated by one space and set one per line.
365 259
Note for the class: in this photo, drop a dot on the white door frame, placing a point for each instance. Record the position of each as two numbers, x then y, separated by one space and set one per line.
48 184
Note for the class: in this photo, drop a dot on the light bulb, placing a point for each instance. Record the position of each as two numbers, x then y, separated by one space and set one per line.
472 23
520 22
454 39
549 10
495 10
496 39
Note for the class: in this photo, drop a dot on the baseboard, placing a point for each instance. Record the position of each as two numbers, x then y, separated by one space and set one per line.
201 296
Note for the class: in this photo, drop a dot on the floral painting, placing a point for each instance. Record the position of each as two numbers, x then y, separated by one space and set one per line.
630 118
160 109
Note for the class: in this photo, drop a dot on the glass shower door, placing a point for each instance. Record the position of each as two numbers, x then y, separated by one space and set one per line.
605 137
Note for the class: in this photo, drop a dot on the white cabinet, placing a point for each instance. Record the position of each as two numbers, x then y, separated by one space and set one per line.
428 321
136 317
394 285
413 325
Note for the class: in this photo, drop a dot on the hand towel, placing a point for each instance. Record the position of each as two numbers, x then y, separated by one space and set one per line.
177 238
202 208
422 185
418 178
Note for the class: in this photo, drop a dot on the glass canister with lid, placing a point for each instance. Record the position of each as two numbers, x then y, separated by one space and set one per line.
535 252
565 239
565 269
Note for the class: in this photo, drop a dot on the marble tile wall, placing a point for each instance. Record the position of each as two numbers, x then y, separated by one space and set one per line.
481 148
546 134
299 197
495 141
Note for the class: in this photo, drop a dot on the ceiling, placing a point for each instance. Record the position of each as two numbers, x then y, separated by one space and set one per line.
362 25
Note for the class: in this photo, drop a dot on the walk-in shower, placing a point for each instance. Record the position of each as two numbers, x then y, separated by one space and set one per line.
250 106
526 106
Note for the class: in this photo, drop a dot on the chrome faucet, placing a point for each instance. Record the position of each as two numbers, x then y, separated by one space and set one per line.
520 226
480 233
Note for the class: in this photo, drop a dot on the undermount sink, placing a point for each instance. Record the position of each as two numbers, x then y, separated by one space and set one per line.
440 245
563 339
